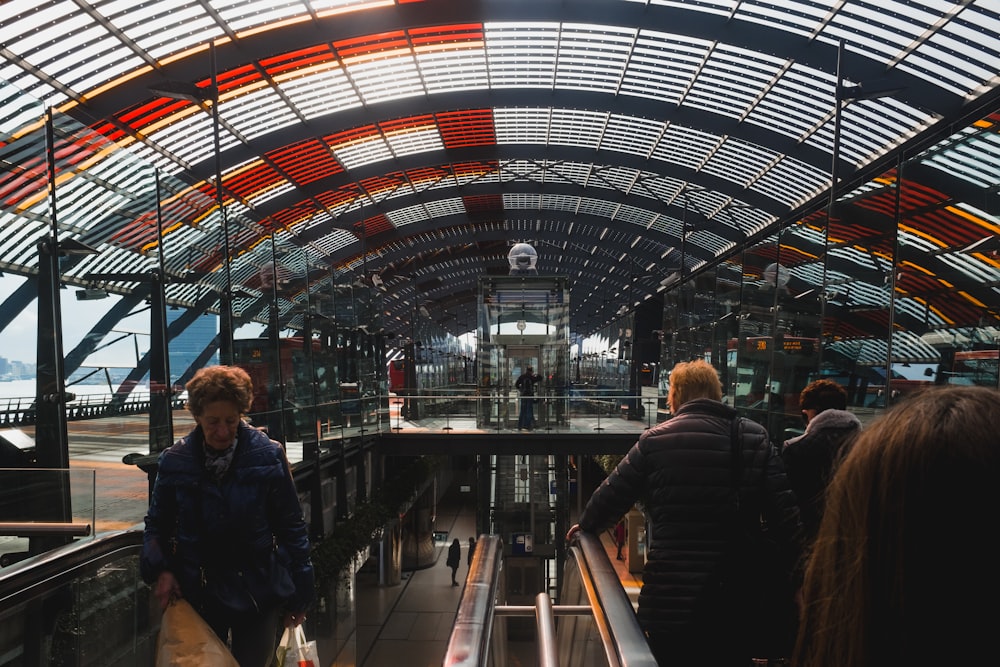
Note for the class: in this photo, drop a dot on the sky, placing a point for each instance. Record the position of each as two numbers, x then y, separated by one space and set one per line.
17 340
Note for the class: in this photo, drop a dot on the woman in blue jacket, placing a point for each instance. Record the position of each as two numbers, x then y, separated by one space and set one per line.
224 528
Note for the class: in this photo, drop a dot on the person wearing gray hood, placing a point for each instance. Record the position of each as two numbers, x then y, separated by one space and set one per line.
811 458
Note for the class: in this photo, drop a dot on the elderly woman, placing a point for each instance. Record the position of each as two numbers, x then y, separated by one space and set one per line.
224 527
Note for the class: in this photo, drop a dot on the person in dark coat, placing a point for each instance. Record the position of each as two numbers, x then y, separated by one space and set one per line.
472 550
683 473
525 386
224 528
454 559
810 457
620 538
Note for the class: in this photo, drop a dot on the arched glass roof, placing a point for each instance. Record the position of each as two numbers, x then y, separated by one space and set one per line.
420 139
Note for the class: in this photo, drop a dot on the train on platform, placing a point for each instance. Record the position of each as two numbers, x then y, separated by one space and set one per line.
396 369
332 376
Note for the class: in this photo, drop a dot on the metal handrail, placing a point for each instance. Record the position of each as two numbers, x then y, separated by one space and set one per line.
546 624
54 568
470 639
624 641
43 528
614 617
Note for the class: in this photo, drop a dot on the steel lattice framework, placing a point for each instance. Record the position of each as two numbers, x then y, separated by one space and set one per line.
420 139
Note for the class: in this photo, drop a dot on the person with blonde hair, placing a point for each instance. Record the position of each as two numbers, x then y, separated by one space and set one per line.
705 478
224 529
903 570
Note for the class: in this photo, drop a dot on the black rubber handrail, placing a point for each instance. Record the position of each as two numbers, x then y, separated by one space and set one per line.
46 572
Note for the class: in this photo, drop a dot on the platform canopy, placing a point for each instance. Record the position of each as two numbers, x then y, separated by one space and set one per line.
417 141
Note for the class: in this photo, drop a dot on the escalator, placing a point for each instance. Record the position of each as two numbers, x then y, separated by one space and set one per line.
85 604
593 624
80 604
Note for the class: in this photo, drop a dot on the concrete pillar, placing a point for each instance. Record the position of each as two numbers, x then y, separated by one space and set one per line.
390 558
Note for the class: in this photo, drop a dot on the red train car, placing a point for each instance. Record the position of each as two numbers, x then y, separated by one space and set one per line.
397 374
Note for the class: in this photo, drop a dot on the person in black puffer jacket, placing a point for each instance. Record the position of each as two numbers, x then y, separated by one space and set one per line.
691 605
224 528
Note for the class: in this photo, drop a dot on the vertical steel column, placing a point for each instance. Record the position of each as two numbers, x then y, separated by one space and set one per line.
834 175
276 420
891 278
161 426
226 304
51 438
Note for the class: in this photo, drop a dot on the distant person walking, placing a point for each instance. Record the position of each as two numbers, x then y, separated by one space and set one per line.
620 538
472 550
454 559
525 386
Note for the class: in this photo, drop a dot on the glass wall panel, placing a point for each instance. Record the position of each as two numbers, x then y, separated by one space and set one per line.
96 611
946 276
106 220
794 345
24 177
857 293
754 343
728 285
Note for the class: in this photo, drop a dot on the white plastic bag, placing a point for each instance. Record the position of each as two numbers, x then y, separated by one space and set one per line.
295 651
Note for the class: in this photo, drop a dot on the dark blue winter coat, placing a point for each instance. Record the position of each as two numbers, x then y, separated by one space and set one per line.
242 540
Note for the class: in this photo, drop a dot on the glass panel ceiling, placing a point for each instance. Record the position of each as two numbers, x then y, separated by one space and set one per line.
627 104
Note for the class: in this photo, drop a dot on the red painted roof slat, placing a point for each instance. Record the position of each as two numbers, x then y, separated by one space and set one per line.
472 127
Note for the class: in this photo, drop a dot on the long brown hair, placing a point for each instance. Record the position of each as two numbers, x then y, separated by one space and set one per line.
904 570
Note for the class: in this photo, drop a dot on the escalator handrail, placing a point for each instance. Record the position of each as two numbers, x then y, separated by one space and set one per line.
625 642
471 636
47 571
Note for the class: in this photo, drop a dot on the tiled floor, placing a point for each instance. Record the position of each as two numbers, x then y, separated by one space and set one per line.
409 624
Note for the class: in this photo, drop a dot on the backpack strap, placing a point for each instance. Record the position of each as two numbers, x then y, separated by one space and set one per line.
736 460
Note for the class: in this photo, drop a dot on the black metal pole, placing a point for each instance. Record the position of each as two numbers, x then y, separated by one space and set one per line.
226 303
51 439
276 416
161 427
834 175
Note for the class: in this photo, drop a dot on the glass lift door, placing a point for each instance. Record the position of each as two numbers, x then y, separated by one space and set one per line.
522 321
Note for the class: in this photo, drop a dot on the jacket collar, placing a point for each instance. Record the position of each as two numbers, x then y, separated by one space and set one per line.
707 406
